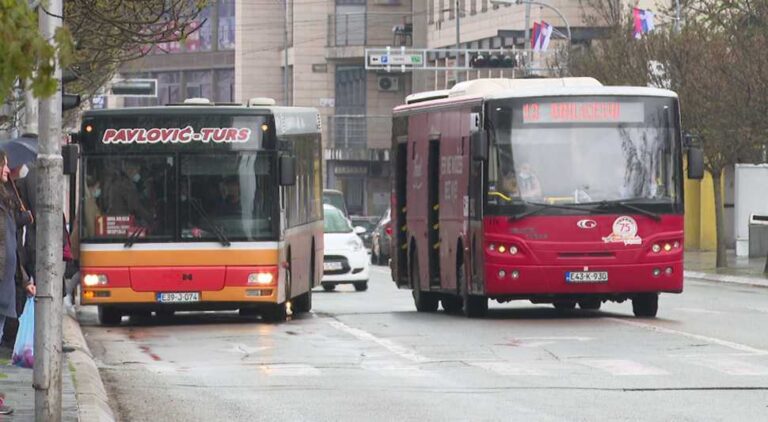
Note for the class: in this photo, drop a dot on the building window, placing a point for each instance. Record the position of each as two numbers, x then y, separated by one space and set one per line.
199 84
168 87
226 24
225 86
200 39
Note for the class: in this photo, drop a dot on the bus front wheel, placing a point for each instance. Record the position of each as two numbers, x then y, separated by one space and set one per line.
109 315
275 313
646 305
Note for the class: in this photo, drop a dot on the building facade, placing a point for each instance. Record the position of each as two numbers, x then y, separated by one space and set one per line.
203 65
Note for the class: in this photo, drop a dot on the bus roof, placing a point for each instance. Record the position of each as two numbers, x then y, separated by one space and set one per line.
498 88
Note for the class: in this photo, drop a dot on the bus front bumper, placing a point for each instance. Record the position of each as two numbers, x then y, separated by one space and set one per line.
227 295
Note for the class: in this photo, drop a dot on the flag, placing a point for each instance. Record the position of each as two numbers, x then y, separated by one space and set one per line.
643 22
535 35
540 42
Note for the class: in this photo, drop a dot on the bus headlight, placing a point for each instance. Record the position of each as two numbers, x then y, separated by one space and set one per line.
92 280
260 278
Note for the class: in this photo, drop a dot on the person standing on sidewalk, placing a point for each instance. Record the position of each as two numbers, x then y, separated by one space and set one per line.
11 217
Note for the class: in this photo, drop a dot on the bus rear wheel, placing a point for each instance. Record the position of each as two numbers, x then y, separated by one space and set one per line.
109 315
590 304
452 304
424 301
564 305
474 306
645 305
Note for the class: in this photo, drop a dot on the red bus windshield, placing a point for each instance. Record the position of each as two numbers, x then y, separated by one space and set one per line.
581 150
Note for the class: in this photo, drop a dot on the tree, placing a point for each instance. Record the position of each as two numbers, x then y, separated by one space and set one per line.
715 66
97 37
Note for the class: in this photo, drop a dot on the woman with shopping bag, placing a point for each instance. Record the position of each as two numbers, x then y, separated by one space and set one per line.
12 216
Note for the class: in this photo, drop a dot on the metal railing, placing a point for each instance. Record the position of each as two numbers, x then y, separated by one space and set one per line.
371 29
359 131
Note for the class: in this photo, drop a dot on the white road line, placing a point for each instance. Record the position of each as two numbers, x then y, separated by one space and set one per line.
290 370
393 347
725 343
510 369
730 366
622 367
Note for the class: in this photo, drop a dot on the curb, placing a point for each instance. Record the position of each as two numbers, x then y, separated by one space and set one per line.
724 278
92 400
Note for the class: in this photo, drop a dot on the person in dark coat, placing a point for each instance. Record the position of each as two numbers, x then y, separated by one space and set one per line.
11 218
125 198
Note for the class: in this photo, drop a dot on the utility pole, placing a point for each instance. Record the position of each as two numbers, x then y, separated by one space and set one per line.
528 56
677 16
285 55
458 41
49 269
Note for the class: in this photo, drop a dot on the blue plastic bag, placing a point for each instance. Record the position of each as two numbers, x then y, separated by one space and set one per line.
24 349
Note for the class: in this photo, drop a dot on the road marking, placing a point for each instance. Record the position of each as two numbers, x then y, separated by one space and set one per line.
725 343
545 341
510 369
290 370
393 347
730 366
698 311
622 367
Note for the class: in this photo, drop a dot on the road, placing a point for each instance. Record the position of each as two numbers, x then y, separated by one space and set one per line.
369 356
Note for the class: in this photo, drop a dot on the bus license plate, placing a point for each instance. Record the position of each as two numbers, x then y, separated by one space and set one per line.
586 276
332 266
178 297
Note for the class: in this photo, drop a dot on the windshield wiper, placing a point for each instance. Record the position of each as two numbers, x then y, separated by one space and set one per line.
543 206
216 230
135 235
625 204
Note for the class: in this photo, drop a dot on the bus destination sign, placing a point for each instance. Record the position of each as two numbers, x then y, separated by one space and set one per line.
583 112
176 135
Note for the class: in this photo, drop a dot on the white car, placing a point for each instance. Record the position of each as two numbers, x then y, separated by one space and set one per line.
346 260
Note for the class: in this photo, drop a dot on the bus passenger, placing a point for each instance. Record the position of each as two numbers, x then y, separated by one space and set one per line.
124 196
528 182
92 208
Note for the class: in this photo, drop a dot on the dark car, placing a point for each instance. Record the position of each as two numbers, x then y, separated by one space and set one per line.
368 223
380 240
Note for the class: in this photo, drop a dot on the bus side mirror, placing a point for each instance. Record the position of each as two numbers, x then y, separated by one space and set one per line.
479 146
695 163
70 155
287 170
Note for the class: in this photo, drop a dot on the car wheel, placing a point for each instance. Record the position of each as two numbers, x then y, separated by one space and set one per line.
361 286
329 287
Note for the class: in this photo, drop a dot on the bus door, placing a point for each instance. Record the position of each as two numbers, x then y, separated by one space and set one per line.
476 201
399 211
433 210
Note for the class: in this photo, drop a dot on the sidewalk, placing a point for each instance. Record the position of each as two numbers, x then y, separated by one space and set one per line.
83 396
741 270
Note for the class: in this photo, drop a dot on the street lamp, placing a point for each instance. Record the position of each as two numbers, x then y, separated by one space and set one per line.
538 3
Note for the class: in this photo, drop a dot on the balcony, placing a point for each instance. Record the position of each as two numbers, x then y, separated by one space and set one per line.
349 33
359 137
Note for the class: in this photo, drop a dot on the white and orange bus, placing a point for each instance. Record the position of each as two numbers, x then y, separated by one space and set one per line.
200 207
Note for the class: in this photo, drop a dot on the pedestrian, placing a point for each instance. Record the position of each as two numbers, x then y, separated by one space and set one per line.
11 217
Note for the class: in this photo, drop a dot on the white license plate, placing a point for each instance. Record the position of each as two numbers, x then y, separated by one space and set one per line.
586 276
178 297
332 266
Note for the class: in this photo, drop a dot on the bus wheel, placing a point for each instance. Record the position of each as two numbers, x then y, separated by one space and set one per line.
564 305
474 306
646 305
451 304
424 301
109 316
275 313
590 305
303 303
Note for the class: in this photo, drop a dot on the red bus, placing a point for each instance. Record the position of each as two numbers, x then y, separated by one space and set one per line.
201 207
560 191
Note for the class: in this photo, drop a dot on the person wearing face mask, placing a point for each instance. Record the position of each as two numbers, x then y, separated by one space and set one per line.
92 208
124 197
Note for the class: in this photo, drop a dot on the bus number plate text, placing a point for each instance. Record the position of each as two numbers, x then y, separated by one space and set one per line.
178 297
586 276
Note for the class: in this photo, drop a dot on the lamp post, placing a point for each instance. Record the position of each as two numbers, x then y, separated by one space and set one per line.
538 3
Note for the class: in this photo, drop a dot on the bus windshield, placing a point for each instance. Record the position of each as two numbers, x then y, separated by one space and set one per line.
584 150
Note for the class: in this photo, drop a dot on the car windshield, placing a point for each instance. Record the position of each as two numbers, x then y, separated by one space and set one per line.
335 222
582 150
336 199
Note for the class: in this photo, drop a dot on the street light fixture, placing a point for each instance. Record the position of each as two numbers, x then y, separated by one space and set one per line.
538 3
